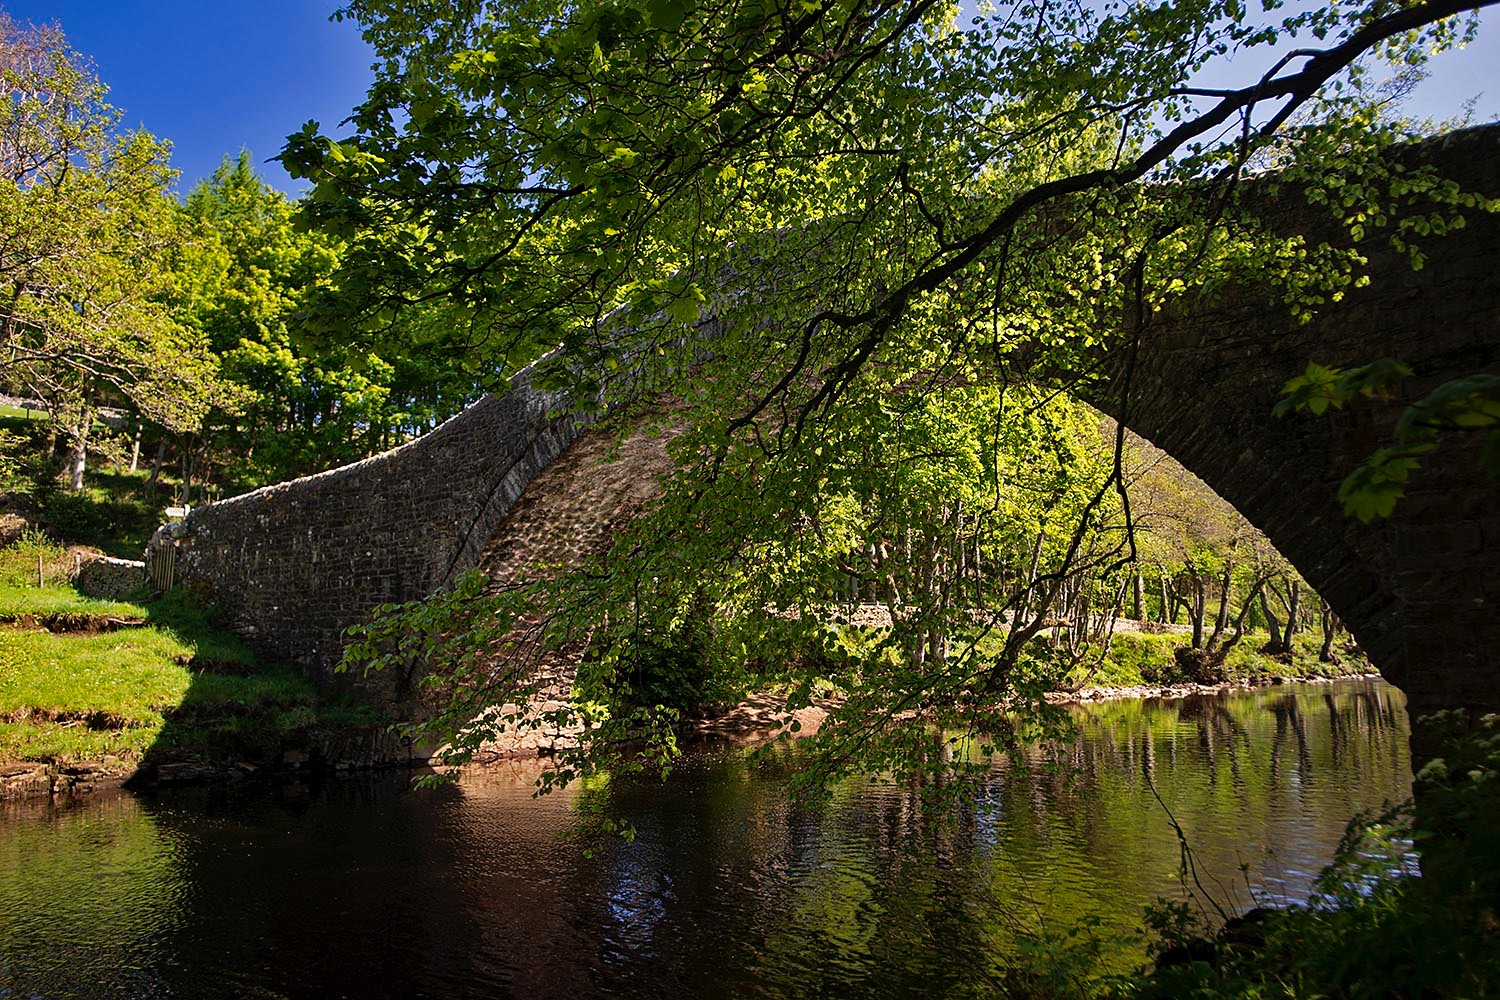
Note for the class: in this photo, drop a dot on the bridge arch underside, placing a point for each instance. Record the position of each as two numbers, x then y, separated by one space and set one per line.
1420 590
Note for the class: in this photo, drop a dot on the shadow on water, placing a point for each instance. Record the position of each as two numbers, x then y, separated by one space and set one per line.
367 888
240 709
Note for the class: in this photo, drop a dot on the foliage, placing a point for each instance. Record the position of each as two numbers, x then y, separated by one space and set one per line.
856 247
12 479
88 227
306 404
117 513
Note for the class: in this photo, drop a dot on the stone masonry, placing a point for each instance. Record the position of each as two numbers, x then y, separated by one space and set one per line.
1420 591
293 565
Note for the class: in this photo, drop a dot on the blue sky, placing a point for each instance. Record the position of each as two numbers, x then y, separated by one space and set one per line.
215 77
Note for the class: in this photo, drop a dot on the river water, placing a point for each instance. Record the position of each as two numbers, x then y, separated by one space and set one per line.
366 888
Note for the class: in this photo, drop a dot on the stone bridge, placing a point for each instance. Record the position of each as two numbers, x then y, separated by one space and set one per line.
509 481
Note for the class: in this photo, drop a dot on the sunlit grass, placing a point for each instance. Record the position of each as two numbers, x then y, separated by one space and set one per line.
1143 658
17 600
137 689
176 683
8 412
134 674
74 742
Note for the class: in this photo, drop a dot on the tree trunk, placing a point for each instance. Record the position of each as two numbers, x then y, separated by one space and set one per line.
1023 610
135 447
1294 590
1273 624
1195 611
189 469
1222 618
161 453
78 456
1239 619
1139 594
81 423
1330 632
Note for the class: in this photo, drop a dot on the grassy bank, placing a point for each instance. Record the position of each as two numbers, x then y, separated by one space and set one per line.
118 681
1143 658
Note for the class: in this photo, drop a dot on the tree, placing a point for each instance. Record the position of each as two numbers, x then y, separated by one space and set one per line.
86 230
307 402
854 203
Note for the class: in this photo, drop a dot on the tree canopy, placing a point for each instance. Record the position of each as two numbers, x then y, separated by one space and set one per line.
87 236
181 320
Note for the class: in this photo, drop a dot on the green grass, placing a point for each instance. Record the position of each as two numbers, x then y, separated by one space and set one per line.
176 686
133 674
68 744
1142 658
1136 657
9 413
80 697
17 600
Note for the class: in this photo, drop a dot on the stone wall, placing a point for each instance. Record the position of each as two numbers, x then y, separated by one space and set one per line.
293 565
107 577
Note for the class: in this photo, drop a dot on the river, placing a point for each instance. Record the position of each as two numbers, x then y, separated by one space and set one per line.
365 888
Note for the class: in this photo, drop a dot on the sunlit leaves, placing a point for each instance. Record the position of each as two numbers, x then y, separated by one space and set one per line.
88 233
843 238
1466 405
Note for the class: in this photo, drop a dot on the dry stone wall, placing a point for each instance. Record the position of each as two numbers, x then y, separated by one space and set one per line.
110 578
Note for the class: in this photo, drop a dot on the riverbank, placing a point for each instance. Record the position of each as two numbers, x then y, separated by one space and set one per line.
95 693
762 717
1090 695
1138 665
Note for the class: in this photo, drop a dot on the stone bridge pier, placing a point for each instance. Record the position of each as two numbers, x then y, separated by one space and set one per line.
296 563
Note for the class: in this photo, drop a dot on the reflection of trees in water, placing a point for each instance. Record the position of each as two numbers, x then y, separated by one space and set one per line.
1290 725
86 890
727 878
868 887
1218 732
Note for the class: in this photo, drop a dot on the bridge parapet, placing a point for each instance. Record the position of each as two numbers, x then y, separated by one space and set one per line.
292 565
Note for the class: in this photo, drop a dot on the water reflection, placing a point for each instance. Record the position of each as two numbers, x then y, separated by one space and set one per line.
368 889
